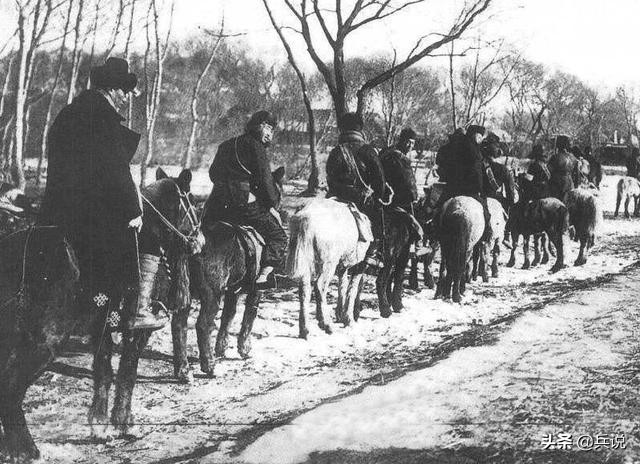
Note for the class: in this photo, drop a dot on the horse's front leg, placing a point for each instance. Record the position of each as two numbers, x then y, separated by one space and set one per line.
209 306
382 284
536 249
398 279
558 241
133 343
582 258
304 294
321 287
525 247
413 274
343 287
544 244
442 273
228 313
514 245
495 254
102 346
483 262
353 303
427 260
181 368
252 303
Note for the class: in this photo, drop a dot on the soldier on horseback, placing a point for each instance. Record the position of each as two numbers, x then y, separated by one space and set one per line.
398 173
91 195
540 175
245 193
564 170
464 170
354 175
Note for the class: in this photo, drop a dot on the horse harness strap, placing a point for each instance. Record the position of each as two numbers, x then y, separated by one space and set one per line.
165 221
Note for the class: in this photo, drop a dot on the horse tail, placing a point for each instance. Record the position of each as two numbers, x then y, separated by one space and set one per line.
593 218
619 196
563 220
301 254
457 236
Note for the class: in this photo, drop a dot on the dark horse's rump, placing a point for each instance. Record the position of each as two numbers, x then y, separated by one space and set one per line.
35 321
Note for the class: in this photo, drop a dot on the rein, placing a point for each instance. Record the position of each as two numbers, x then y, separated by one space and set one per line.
168 223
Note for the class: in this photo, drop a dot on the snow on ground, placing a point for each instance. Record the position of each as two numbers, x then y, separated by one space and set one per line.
287 375
501 394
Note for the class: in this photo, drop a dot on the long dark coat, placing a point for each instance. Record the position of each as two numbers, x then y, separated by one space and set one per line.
563 167
540 182
465 172
399 175
90 192
351 165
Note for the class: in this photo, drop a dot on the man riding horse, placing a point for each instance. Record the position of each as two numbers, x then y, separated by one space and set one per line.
91 195
398 173
463 170
244 191
563 167
354 175
498 182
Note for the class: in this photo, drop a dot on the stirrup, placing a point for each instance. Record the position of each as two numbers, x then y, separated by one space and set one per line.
146 320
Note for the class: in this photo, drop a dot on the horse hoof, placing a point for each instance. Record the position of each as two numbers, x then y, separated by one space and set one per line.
580 262
244 352
385 313
20 450
485 278
208 373
329 330
535 262
526 265
220 351
457 298
511 263
101 430
556 268
304 334
185 378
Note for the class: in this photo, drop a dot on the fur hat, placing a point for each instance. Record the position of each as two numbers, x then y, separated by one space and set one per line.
113 74
260 117
407 134
351 122
474 129
563 142
537 152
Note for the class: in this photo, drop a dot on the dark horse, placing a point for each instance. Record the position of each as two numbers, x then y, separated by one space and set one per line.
226 267
39 292
535 217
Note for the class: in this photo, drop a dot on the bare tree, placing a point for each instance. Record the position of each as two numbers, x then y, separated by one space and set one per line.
313 182
76 53
33 19
364 12
187 159
154 84
54 86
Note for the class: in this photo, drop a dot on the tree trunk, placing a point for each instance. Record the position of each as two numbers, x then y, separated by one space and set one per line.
75 55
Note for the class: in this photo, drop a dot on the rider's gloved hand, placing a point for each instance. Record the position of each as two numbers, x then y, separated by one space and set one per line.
136 223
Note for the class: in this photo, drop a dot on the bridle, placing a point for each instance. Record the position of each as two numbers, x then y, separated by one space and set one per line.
188 215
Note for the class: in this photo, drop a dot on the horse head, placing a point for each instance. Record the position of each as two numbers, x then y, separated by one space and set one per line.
427 205
169 210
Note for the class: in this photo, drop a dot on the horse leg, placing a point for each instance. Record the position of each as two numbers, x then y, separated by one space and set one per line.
228 313
525 247
427 260
536 250
382 285
495 254
618 200
483 262
102 345
353 304
321 288
413 274
626 206
181 369
133 344
544 244
18 440
304 294
252 303
476 257
514 245
398 279
442 275
582 258
556 239
209 306
456 281
343 285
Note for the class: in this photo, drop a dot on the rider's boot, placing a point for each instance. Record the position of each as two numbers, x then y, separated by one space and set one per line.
145 319
264 274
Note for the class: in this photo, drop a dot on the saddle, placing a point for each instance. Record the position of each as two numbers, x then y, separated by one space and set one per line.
363 223
252 243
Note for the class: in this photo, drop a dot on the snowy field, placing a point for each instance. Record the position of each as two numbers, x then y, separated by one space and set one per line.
213 420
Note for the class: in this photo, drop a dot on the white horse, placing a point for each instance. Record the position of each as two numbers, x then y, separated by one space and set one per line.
325 240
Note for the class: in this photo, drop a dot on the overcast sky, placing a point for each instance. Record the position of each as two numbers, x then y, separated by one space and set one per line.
595 39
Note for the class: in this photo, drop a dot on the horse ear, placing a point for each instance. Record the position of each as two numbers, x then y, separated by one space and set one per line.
160 174
184 179
278 174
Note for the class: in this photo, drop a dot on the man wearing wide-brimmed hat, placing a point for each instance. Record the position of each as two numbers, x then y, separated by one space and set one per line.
90 192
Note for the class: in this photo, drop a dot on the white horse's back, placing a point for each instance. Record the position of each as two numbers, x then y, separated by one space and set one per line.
323 232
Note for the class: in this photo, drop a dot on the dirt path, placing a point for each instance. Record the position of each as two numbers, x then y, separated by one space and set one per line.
216 419
566 374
